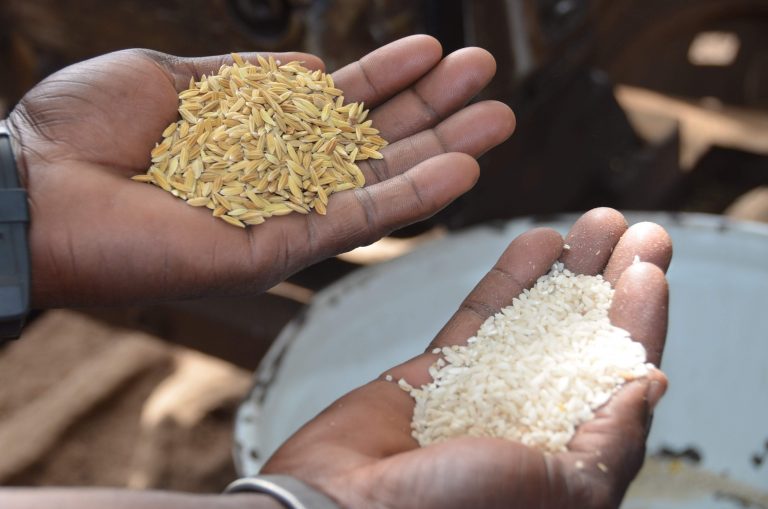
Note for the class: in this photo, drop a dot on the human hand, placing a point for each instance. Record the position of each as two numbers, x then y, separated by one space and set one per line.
360 450
98 237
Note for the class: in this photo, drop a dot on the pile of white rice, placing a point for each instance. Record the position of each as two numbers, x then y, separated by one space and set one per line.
534 371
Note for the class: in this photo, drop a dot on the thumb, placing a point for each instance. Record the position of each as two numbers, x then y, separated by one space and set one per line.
607 452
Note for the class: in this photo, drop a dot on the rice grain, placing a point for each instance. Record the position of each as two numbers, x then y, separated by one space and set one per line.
259 134
535 371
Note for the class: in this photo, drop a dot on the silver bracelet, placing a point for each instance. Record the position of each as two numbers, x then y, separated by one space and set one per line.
289 491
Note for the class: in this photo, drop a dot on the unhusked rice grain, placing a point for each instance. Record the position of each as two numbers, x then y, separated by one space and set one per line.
534 371
260 140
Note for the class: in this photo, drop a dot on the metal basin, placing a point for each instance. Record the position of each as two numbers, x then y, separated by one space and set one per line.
709 443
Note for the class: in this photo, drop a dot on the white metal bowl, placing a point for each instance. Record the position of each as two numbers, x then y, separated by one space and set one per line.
710 431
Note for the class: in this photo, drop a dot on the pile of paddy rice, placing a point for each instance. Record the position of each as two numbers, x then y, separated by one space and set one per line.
535 371
256 141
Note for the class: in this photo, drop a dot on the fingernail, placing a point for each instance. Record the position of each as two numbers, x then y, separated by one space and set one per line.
654 393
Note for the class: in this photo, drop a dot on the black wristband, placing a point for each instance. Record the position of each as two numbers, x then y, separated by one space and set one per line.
14 250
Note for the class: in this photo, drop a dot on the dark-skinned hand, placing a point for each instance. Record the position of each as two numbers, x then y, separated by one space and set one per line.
360 450
97 237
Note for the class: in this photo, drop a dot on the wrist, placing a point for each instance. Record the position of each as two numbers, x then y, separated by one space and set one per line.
249 501
10 126
77 498
14 248
291 492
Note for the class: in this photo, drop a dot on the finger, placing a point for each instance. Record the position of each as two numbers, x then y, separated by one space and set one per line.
610 448
473 130
607 452
648 242
527 258
182 69
360 217
592 239
292 242
382 73
641 305
446 88
373 420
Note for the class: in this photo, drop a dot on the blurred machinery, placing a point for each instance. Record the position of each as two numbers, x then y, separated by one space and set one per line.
559 60
637 104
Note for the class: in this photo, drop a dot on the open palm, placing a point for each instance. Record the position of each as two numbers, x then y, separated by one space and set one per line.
360 450
97 237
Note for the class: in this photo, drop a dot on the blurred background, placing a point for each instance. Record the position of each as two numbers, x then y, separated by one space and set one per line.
635 104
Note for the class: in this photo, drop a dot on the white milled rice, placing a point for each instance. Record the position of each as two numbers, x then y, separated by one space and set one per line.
535 371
